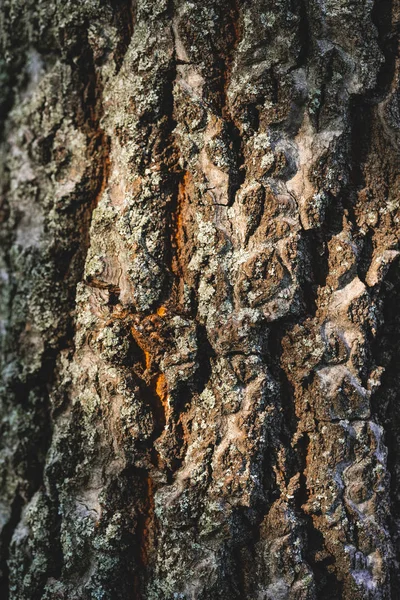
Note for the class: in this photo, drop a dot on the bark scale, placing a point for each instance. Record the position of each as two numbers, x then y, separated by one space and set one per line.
200 300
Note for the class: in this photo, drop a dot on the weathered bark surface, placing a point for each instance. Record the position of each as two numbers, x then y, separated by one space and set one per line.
200 301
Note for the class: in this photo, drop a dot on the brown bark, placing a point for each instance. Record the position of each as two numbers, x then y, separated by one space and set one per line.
200 300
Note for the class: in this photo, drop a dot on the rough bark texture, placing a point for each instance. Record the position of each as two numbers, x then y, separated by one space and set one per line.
200 301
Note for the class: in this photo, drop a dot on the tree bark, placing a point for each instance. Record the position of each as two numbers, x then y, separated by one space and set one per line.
200 300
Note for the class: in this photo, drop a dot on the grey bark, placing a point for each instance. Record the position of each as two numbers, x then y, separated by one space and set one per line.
199 300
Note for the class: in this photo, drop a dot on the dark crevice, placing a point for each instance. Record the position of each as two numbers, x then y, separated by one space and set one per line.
205 355
305 37
5 540
151 397
240 587
324 95
320 561
56 552
276 334
327 584
88 118
172 251
361 125
362 106
317 271
280 437
366 254
129 494
237 173
361 116
124 15
14 44
7 81
388 39
386 401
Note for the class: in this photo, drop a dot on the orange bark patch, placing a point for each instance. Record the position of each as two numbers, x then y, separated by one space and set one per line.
178 239
161 311
162 390
119 314
148 358
138 337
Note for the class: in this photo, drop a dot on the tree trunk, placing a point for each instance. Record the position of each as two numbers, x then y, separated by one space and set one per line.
200 301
